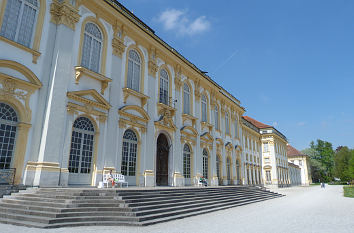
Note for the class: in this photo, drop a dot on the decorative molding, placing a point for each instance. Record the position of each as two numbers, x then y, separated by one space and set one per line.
153 68
64 13
35 54
166 117
186 117
128 92
118 46
87 108
100 102
79 71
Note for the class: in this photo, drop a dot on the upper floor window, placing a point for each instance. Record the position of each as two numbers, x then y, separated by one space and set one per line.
216 117
92 47
164 84
186 99
236 129
204 108
19 21
134 70
265 147
227 123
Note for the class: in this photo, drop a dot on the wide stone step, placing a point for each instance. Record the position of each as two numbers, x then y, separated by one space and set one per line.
177 200
192 203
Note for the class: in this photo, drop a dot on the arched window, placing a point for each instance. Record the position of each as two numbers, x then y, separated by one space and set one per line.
81 150
130 145
228 169
186 99
218 171
164 84
205 164
92 47
204 109
134 70
19 21
238 171
216 117
227 123
8 126
236 129
186 161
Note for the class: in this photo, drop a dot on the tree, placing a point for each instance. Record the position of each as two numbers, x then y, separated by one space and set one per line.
321 160
341 161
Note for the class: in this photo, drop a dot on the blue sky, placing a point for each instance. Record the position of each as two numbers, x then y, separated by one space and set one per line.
289 62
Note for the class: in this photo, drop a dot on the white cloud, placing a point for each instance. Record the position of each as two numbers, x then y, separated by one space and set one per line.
301 123
177 20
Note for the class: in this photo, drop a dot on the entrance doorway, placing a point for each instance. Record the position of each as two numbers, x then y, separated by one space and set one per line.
162 152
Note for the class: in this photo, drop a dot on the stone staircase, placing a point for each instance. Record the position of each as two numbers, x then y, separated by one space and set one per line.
8 189
64 207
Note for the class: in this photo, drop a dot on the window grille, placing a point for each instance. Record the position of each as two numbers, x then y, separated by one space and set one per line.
205 164
8 127
216 117
130 144
19 21
204 109
227 124
134 70
81 150
164 79
186 99
186 161
92 46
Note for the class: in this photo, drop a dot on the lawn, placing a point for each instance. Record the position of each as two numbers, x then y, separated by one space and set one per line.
348 191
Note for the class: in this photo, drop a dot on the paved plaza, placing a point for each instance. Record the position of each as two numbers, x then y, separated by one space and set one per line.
304 209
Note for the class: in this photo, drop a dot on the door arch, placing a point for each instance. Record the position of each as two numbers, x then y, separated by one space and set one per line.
162 152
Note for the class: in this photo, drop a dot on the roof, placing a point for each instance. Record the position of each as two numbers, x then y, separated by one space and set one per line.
292 152
256 123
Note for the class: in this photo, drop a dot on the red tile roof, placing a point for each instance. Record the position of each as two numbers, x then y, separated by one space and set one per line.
294 152
256 123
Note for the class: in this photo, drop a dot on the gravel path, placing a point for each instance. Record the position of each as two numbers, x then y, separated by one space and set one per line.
304 209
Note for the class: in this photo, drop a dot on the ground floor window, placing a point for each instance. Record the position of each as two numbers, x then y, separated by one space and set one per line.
205 164
268 177
130 145
8 127
186 161
81 150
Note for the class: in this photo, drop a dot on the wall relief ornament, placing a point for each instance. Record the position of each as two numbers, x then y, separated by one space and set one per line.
64 13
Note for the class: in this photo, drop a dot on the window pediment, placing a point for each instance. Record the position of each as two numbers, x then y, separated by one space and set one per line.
90 97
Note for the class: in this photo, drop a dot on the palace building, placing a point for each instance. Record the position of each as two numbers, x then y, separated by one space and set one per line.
87 87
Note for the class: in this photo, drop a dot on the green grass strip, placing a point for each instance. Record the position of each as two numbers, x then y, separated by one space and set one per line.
348 191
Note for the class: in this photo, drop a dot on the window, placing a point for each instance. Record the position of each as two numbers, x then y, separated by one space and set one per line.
216 118
186 99
238 170
228 170
92 47
8 123
81 149
236 129
164 87
134 70
19 21
266 147
268 176
204 109
300 162
227 123
205 163
218 167
130 144
186 161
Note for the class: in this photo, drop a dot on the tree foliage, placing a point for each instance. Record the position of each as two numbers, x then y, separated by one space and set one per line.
327 163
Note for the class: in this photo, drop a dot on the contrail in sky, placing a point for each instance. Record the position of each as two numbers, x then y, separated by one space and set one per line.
226 61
